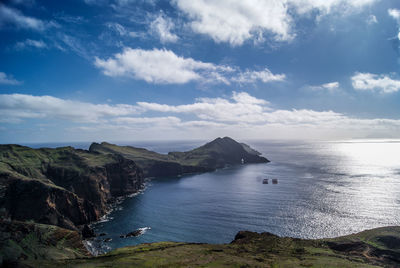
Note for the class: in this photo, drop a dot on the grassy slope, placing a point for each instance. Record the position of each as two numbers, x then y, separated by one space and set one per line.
29 163
21 162
142 157
29 241
373 248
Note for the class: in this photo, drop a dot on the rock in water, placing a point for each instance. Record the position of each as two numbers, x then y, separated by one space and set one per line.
87 232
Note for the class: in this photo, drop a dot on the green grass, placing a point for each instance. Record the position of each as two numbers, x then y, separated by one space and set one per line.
30 241
213 155
31 164
252 250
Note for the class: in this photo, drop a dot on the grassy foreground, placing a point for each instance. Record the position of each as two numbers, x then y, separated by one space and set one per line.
373 248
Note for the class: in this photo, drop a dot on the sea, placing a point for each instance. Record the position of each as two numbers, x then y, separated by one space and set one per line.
325 189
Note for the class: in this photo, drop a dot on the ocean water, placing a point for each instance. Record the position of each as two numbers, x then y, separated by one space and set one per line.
325 189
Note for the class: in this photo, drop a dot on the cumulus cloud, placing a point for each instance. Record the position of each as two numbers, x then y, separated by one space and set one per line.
243 108
14 17
374 82
241 113
29 43
162 27
159 66
8 80
264 76
21 106
235 21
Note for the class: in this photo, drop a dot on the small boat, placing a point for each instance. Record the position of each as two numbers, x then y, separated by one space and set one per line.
265 181
274 181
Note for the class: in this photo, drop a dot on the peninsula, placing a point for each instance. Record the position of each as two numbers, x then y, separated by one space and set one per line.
43 189
48 197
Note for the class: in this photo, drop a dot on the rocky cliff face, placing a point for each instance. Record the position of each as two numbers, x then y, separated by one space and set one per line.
63 187
22 241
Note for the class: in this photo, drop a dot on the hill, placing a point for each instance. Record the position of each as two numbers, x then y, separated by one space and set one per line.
216 154
373 248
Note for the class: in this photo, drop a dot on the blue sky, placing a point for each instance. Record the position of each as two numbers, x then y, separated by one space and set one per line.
122 70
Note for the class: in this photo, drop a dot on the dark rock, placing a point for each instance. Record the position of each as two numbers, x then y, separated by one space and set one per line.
63 186
102 234
87 232
107 240
132 234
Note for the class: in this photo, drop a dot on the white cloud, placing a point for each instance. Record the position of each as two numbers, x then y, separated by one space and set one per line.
332 86
162 28
242 114
372 82
13 16
159 66
30 43
372 19
21 106
244 108
8 80
235 21
394 13
264 76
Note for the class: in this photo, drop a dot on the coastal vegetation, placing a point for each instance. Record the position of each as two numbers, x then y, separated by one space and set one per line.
67 189
49 197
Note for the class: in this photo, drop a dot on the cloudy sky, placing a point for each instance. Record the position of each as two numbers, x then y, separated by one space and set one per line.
125 70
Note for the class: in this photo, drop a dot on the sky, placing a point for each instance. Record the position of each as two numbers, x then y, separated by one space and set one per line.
135 70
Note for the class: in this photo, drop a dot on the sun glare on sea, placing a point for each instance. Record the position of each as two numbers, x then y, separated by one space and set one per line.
370 156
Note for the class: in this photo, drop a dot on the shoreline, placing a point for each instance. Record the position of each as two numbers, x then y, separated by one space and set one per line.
113 205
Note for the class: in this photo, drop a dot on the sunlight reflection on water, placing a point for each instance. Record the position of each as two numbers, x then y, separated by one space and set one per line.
325 189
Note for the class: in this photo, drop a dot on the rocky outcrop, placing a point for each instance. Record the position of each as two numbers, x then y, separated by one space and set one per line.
34 200
63 187
24 241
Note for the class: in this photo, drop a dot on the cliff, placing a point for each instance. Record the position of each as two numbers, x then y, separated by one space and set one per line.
213 155
63 186
28 241
47 196
373 248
